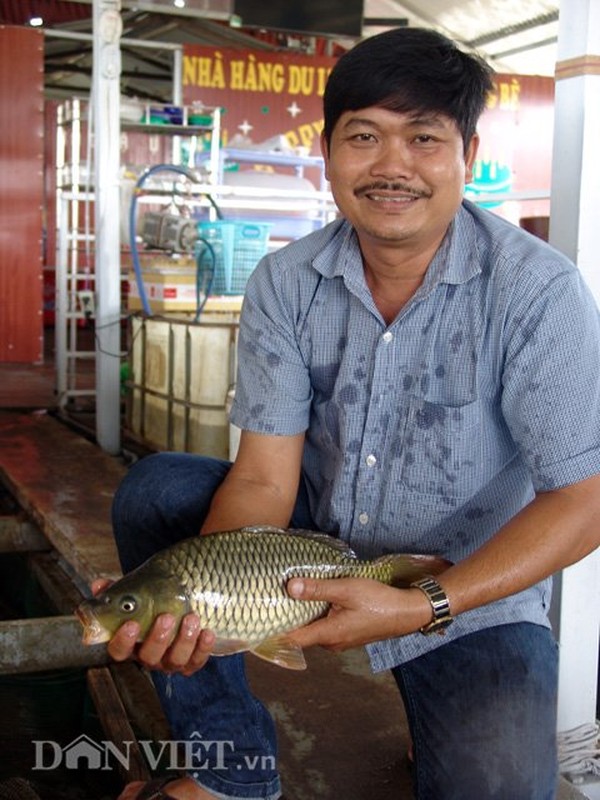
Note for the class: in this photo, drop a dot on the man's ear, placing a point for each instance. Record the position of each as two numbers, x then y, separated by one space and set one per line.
470 156
325 153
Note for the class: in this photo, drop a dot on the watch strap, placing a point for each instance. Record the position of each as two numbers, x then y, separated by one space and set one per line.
440 605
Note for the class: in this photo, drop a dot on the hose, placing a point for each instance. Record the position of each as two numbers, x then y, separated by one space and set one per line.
203 291
133 217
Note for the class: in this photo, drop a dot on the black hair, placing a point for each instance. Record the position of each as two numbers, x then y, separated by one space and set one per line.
405 70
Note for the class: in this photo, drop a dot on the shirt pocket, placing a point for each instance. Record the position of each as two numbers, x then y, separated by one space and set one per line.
442 448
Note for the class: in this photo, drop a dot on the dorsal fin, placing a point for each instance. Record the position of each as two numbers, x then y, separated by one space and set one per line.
324 538
316 536
263 529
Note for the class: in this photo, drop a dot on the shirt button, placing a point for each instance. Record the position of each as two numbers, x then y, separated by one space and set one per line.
387 336
371 460
363 518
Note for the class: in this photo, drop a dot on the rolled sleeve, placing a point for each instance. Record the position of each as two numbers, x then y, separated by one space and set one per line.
273 391
551 394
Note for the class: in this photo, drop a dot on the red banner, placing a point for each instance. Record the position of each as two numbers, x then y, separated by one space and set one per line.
265 95
262 95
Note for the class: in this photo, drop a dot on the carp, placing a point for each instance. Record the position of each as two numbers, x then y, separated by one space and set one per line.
235 581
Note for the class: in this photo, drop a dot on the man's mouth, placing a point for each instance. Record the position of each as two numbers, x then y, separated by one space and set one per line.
390 193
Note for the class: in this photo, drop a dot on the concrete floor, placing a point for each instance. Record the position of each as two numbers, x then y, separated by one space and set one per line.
342 730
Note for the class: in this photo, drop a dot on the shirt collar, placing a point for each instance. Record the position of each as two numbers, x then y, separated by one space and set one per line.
456 260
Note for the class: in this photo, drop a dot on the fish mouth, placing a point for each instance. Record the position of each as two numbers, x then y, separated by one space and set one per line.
93 631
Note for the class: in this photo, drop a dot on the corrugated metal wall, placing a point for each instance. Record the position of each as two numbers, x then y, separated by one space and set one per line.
21 193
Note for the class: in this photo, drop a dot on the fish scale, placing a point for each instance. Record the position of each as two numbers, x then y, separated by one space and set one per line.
235 581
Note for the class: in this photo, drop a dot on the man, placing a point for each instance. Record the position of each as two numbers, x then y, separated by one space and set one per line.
419 375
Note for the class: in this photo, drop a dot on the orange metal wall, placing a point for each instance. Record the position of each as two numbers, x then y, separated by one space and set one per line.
21 193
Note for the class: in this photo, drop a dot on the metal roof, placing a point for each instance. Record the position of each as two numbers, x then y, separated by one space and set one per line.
514 36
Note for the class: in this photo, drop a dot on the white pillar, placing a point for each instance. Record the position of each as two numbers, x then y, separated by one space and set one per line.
575 229
106 124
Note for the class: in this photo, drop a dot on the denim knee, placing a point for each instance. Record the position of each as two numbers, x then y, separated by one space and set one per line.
482 714
164 498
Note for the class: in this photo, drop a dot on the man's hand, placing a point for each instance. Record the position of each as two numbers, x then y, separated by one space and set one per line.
165 647
362 611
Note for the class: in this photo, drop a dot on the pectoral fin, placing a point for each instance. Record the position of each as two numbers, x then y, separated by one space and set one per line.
281 651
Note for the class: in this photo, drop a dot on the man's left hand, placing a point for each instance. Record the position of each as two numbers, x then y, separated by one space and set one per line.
362 611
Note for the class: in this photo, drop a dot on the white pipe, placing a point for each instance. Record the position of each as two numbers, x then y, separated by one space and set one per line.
106 106
89 37
574 230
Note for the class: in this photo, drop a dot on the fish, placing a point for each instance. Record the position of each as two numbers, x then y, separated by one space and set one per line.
235 581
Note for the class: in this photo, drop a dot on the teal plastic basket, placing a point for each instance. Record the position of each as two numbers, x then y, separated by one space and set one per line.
238 246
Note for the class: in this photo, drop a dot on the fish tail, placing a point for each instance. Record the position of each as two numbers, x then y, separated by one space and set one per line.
402 569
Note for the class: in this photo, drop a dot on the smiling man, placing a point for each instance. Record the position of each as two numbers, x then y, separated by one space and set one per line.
418 376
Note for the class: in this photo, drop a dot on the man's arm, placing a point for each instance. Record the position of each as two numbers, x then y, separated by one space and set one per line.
555 530
260 488
262 485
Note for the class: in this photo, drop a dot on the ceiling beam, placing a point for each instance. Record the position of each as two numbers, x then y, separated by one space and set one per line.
526 47
385 22
511 30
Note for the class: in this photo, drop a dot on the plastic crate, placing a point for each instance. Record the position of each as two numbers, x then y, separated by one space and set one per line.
238 246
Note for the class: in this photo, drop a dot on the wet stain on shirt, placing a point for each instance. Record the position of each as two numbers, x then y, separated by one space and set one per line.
476 513
456 341
429 415
257 410
428 325
348 394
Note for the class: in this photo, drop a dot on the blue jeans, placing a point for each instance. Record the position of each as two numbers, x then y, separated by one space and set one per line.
481 709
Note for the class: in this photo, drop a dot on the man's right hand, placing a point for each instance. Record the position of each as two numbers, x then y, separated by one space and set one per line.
165 647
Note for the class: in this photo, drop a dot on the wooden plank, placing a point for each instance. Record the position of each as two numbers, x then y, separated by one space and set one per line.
19 535
141 701
35 645
65 484
59 587
115 723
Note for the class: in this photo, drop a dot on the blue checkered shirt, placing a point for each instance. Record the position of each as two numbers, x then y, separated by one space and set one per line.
428 434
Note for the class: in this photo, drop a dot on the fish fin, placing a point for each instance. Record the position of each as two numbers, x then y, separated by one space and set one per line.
325 538
281 651
408 567
263 529
317 536
227 647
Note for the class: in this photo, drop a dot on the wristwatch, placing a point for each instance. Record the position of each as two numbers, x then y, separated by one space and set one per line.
439 604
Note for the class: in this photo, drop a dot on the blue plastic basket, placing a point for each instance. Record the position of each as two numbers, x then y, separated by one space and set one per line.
238 246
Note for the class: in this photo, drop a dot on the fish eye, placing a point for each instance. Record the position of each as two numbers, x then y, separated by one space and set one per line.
128 605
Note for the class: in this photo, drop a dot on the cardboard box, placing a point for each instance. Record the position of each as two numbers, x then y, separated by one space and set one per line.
167 289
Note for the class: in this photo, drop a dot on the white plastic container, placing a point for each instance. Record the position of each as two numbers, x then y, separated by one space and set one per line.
180 375
234 431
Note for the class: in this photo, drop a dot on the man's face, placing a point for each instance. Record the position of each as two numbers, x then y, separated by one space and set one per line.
398 177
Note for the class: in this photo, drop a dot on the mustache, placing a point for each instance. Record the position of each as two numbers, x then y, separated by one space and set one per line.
390 186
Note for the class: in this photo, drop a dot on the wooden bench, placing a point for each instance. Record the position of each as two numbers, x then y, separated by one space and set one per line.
64 485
